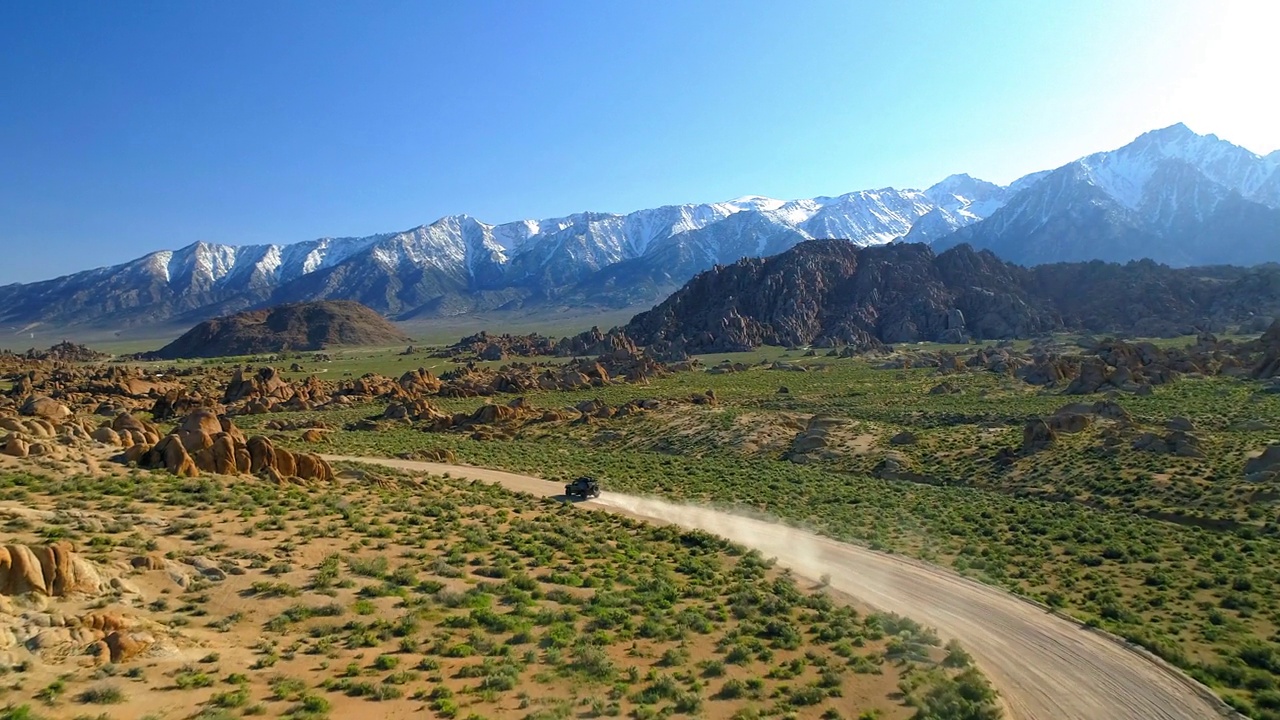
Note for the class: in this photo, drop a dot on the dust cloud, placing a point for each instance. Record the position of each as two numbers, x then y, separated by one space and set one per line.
802 551
1046 667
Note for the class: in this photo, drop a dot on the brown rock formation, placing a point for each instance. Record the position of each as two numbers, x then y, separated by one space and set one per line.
1037 435
123 647
204 442
53 570
45 407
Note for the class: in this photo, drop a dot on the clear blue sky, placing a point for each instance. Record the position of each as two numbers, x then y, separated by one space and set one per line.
127 127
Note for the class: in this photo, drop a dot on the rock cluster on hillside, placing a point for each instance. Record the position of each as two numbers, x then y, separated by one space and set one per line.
65 351
492 419
1112 365
52 570
44 428
593 342
205 442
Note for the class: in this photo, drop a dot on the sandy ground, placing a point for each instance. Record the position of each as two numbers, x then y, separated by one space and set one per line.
1046 667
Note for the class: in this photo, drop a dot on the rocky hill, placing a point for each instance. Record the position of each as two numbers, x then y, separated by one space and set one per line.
298 326
64 352
831 293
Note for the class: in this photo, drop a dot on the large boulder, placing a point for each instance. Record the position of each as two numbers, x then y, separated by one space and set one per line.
313 467
172 455
16 446
1093 374
1037 436
53 570
1176 442
139 431
222 455
262 454
202 420
20 571
1265 465
107 436
45 407
1068 422
123 647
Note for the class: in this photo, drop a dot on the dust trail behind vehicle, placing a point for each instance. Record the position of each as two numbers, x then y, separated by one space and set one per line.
1046 667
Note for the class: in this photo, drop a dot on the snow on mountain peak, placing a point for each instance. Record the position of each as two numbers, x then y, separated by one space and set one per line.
1169 181
1174 132
756 202
1125 173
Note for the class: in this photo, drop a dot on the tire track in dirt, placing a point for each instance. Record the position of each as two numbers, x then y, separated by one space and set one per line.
1045 666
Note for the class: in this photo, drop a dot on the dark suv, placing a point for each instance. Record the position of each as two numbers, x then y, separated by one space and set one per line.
583 487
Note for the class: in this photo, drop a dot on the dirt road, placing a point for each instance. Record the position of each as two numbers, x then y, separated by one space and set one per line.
1045 667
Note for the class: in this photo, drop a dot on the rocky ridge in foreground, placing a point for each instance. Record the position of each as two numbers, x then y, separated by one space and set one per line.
831 294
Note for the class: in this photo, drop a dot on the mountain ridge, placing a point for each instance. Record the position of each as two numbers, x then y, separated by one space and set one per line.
1171 194
829 293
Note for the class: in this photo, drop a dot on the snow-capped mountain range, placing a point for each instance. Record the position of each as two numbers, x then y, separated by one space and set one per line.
1171 195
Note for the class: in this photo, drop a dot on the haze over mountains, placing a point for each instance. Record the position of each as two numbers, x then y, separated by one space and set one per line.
1171 195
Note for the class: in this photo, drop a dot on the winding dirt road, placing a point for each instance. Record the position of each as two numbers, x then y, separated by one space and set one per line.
1045 666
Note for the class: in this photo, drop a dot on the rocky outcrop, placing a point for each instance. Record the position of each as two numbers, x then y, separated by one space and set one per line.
490 347
413 411
1264 466
266 390
491 420
1103 366
1267 365
23 437
1175 442
52 570
105 635
818 439
620 366
896 466
44 407
1037 436
420 382
832 293
205 442
121 647
66 352
437 455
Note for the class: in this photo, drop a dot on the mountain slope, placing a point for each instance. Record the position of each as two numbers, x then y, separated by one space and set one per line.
1170 195
460 264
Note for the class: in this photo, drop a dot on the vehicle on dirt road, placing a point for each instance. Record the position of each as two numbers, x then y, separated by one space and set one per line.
583 487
